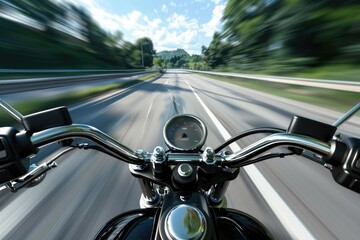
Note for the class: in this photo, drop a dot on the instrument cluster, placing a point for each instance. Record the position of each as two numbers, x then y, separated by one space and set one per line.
185 133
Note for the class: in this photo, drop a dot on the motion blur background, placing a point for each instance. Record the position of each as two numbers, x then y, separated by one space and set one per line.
289 37
46 40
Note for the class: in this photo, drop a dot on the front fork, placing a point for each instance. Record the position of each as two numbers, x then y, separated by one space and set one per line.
216 195
150 197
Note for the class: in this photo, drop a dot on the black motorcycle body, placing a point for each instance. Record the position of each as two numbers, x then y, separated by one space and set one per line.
146 223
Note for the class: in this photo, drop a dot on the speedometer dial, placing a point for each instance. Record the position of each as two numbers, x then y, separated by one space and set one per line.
185 132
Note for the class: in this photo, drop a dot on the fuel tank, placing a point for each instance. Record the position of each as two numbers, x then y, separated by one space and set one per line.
184 218
142 224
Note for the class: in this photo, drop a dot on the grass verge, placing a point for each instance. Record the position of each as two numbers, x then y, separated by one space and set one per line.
331 99
340 72
66 99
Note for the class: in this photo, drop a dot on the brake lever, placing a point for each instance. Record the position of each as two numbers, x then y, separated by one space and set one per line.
37 172
28 178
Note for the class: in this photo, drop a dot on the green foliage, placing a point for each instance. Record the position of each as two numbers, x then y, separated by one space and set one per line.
217 51
61 35
179 63
194 62
169 65
147 51
181 59
167 55
157 62
286 34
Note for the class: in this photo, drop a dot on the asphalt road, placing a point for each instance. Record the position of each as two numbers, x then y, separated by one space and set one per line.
89 188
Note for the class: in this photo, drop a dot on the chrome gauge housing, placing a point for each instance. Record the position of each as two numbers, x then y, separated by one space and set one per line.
185 133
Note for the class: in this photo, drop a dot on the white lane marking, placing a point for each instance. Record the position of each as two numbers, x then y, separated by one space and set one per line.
147 117
220 127
286 216
166 82
2 188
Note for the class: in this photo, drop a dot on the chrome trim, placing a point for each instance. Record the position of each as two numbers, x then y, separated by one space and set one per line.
218 194
158 155
198 145
185 170
185 222
193 158
107 143
145 202
208 156
347 115
275 140
12 111
112 147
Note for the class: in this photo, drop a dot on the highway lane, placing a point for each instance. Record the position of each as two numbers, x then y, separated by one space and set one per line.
328 210
88 188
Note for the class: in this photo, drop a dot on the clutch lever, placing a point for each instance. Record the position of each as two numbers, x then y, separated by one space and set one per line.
38 172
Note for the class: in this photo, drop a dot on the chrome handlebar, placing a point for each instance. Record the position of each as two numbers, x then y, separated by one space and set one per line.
275 140
114 148
110 146
107 143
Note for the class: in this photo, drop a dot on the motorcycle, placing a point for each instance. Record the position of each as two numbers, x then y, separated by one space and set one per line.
183 187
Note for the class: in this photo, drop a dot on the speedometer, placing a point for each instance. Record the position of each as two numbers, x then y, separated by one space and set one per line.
185 132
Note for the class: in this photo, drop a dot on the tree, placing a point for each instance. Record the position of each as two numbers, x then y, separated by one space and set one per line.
203 50
63 35
179 63
157 62
169 65
262 32
215 54
146 45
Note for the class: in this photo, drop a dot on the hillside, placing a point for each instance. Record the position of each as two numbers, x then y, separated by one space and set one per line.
165 55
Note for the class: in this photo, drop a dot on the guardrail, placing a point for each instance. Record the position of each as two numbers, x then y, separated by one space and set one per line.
350 86
66 70
18 85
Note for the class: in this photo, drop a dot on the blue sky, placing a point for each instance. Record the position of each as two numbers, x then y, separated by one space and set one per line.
170 24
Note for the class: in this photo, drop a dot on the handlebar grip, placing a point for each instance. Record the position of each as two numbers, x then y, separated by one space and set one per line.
15 147
345 163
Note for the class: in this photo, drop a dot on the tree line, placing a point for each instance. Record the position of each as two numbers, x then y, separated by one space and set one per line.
49 34
286 35
179 58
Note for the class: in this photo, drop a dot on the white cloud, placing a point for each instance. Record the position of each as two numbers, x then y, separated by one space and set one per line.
164 8
181 21
177 31
172 4
216 1
214 24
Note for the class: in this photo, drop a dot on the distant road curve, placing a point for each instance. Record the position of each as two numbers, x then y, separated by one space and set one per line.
350 86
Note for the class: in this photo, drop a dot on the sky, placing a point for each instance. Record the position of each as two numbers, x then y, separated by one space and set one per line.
186 24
